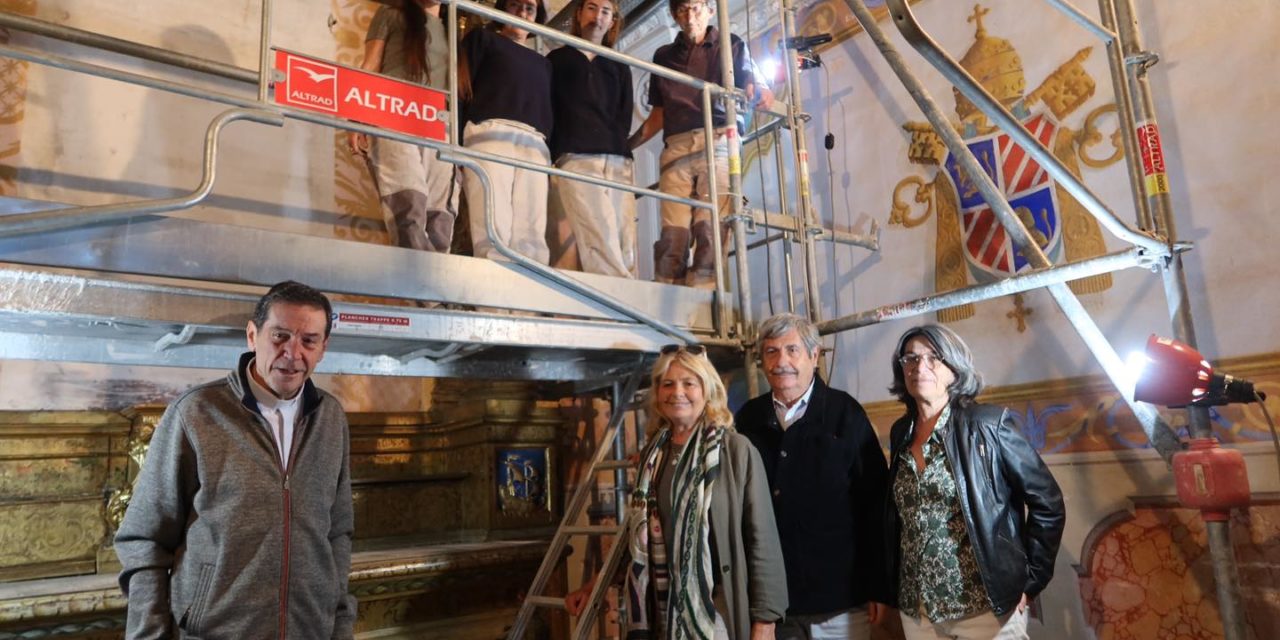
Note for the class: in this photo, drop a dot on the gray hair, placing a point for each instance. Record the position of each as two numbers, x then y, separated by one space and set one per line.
955 355
778 326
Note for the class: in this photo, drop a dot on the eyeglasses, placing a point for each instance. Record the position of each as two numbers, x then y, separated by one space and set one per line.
910 360
690 7
691 349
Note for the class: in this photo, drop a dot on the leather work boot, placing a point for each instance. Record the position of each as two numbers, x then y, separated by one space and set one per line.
703 272
671 255
440 230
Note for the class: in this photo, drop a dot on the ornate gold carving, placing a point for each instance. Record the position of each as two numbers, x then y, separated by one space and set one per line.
45 532
1020 312
144 426
1091 136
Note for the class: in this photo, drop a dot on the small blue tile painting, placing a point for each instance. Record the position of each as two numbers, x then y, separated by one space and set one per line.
522 480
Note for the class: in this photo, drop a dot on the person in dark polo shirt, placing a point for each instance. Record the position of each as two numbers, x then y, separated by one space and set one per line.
592 102
828 478
677 111
505 90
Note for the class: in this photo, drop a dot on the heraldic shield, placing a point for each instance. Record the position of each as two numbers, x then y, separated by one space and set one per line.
987 248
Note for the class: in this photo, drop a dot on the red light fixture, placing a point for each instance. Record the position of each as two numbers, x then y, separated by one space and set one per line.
1176 375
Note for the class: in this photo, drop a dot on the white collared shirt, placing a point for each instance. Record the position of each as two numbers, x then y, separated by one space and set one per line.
281 414
788 416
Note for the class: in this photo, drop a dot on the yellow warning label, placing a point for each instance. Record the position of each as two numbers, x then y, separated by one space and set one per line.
1157 183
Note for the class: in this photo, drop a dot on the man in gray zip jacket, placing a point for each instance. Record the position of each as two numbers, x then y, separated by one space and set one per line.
240 523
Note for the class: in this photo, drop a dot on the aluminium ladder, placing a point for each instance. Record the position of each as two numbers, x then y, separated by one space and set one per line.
623 403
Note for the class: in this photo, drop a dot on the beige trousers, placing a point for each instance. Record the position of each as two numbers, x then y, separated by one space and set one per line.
984 626
603 219
418 194
684 173
520 196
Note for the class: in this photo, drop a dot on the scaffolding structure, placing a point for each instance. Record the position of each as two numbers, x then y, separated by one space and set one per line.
131 283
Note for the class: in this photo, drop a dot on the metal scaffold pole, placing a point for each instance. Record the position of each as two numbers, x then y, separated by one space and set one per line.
746 315
1155 187
796 122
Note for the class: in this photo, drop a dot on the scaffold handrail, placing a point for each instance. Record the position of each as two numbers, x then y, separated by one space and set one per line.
1093 26
59 219
548 273
80 216
1035 279
586 45
129 48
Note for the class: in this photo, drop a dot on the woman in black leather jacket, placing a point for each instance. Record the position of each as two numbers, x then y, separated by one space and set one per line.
974 517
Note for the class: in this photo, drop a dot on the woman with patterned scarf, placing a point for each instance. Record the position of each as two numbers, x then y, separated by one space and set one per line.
705 560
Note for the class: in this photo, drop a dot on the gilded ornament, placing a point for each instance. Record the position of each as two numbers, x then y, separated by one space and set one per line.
1091 136
1020 312
901 213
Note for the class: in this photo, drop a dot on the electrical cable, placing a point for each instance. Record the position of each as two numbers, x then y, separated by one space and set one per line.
1275 439
829 145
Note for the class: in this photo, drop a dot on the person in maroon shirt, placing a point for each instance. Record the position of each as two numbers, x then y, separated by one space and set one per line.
677 112
592 102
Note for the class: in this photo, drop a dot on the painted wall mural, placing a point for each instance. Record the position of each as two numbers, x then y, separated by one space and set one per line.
970 243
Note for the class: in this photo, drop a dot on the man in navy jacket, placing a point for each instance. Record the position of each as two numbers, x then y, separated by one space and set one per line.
827 474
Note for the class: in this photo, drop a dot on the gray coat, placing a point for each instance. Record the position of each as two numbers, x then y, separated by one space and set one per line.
750 557
219 542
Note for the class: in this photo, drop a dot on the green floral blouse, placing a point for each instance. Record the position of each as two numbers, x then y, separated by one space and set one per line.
939 571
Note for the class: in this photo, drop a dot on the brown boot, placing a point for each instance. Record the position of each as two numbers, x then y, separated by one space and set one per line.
440 230
703 272
671 255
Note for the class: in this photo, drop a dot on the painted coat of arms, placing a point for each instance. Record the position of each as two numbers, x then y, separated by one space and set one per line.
971 244
522 480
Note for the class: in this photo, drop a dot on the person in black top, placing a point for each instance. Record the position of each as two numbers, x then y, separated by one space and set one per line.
677 112
592 102
828 477
505 89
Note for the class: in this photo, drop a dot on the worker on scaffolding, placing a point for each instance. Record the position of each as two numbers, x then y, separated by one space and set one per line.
418 191
505 89
592 98
677 111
